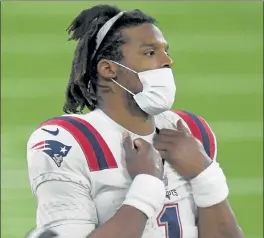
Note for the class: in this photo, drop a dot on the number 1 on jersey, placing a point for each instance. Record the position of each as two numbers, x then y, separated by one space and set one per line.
170 219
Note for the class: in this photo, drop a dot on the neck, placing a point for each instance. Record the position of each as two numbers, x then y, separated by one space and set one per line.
139 123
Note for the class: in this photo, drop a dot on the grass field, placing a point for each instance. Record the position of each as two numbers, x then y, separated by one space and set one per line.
217 51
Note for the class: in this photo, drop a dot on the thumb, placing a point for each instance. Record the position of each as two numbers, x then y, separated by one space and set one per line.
127 141
181 126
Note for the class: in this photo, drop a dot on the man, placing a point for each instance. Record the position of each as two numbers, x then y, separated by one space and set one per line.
98 175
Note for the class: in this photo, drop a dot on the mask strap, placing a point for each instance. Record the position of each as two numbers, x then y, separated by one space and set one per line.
124 66
119 83
122 87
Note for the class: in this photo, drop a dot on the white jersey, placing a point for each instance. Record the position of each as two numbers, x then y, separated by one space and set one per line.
85 153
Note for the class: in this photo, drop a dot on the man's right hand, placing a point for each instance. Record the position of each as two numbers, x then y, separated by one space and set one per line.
141 158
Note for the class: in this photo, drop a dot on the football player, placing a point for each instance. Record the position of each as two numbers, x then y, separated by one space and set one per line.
129 168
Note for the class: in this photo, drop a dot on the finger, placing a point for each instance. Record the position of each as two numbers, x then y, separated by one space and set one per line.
163 138
167 132
182 127
163 146
172 133
127 142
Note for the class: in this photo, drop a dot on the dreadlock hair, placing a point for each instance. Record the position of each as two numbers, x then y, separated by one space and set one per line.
83 82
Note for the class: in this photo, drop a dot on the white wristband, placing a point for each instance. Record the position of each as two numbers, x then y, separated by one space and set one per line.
210 187
147 194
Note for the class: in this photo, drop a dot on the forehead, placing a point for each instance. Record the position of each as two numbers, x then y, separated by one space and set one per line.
145 34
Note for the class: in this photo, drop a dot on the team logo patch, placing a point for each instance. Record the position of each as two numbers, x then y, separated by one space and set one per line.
54 149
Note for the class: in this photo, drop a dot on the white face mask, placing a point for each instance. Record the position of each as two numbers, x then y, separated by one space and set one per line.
158 92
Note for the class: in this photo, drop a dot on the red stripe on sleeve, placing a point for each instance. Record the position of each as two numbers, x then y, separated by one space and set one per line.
110 159
80 139
210 135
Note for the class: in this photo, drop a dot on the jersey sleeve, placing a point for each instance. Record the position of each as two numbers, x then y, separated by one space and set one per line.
201 130
59 177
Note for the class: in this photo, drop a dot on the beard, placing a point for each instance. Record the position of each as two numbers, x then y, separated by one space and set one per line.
133 107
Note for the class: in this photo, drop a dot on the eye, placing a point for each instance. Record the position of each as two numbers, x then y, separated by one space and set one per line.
150 53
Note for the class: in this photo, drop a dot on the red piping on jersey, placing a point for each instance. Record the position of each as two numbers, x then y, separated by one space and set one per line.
210 135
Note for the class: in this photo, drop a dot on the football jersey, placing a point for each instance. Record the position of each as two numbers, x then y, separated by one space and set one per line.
86 150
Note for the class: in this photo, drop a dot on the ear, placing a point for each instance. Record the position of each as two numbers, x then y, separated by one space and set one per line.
107 69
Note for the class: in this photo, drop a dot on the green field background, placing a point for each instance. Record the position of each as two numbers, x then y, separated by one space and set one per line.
217 53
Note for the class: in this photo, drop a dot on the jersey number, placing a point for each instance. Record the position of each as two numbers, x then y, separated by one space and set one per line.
170 219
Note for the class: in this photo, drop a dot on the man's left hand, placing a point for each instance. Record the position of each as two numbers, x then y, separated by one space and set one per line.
184 152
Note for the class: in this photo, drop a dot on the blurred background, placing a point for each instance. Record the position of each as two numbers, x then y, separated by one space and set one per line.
217 52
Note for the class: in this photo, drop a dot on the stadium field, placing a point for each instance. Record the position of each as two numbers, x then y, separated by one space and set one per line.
217 52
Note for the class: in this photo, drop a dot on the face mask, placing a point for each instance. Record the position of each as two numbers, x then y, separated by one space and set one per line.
158 92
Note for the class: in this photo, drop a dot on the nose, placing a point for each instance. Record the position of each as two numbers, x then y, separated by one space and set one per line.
167 62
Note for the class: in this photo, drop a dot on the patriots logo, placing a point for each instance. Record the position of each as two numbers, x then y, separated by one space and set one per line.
54 149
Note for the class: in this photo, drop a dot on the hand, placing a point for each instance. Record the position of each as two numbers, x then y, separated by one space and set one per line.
141 158
184 152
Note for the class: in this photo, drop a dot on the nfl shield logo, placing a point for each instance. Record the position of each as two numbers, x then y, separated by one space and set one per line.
165 181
